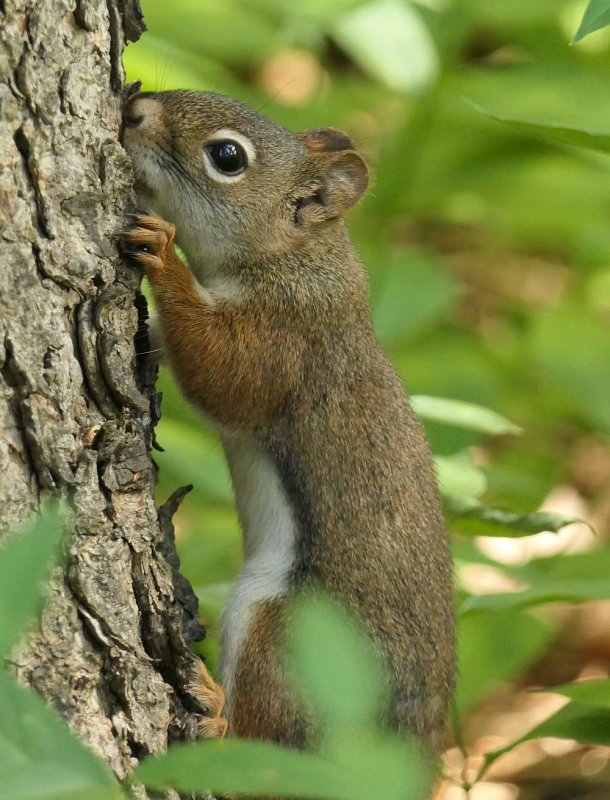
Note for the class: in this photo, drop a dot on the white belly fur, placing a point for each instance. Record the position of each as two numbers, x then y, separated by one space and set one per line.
269 534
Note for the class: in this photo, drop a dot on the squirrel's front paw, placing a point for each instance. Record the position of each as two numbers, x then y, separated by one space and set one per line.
148 242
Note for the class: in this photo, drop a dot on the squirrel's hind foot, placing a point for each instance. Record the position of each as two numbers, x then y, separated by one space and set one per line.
211 697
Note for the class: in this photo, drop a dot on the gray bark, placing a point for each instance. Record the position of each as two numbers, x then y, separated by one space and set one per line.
112 652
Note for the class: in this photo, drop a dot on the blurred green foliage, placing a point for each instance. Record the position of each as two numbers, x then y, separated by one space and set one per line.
333 668
488 250
339 678
39 756
28 554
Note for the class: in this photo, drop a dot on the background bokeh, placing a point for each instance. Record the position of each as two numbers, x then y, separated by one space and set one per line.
489 261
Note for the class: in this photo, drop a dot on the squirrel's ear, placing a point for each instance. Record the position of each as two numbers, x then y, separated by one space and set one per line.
327 140
343 174
345 179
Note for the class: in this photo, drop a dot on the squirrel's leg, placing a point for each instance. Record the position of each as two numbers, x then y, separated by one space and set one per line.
261 706
232 361
211 697
148 241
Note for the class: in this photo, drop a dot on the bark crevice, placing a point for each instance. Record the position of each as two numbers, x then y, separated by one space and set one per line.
24 146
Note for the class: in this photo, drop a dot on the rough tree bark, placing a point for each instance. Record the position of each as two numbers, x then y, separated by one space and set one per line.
112 654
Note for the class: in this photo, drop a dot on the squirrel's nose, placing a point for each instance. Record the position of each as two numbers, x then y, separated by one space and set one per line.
132 115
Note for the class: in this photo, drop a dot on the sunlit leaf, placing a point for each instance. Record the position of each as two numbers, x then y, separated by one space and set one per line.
552 131
242 767
462 415
493 648
40 758
391 42
380 762
596 16
589 693
458 477
333 662
588 566
333 665
552 592
571 578
480 520
248 767
25 560
574 721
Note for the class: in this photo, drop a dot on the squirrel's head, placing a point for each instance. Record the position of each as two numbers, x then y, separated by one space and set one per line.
234 182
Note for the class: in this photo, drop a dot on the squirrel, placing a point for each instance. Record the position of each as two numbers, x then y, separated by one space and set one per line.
268 333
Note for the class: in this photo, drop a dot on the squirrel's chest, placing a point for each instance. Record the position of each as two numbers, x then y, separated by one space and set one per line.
269 544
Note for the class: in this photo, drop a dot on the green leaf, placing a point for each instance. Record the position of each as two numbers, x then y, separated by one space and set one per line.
25 561
495 647
552 131
258 768
462 415
40 758
333 665
340 676
390 41
384 765
588 693
589 566
574 721
458 477
479 520
570 591
240 767
570 578
596 16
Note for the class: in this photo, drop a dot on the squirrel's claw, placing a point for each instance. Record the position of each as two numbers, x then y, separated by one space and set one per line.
148 242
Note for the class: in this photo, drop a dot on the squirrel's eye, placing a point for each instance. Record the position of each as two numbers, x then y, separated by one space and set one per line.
228 157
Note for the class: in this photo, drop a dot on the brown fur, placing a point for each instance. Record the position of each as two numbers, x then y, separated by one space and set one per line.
293 364
268 714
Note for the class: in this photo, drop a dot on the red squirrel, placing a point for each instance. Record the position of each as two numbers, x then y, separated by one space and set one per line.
269 334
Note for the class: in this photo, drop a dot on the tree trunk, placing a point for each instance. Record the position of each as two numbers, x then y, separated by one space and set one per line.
112 653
